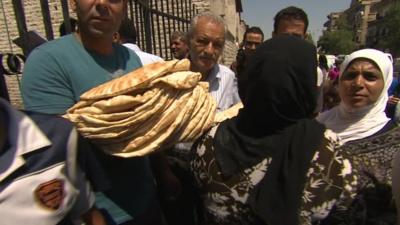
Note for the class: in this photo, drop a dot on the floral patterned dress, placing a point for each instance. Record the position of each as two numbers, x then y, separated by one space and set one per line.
225 199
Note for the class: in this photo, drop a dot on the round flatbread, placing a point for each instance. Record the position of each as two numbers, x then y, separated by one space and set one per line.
146 110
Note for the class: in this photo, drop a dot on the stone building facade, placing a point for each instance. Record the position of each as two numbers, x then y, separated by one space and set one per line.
359 14
331 24
228 9
365 17
376 29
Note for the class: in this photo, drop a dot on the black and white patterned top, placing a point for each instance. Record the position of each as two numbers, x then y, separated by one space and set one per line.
225 199
371 159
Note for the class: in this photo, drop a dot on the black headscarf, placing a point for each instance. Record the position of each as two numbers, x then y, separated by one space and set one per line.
279 98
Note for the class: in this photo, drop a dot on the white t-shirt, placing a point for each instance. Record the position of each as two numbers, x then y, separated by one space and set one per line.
145 57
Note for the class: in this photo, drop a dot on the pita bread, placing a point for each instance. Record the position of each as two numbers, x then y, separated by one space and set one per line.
195 104
146 110
200 109
228 113
144 117
154 137
179 80
123 103
136 79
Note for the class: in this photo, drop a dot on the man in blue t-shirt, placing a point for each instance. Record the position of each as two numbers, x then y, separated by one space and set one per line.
58 72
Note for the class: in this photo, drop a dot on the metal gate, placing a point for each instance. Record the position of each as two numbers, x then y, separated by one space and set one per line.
155 20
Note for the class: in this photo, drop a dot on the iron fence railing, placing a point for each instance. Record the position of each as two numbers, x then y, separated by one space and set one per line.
155 20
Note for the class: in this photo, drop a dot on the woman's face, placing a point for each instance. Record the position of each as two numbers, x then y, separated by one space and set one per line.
361 84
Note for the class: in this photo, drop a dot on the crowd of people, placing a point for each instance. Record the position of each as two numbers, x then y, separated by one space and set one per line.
311 144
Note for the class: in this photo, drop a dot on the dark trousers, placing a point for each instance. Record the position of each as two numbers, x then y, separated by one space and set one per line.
184 210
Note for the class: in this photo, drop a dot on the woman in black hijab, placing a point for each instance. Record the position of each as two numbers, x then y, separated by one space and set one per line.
272 163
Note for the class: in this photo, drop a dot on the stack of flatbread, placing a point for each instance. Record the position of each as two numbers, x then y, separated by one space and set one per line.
155 106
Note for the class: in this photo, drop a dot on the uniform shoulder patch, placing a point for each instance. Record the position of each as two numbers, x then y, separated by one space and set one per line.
50 194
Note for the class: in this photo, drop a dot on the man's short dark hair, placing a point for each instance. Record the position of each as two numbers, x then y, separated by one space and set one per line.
291 13
254 30
63 28
127 31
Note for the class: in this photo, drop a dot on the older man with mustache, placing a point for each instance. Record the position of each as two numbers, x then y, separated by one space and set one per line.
206 43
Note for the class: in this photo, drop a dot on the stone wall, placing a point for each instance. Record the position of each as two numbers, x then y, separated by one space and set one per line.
202 5
9 29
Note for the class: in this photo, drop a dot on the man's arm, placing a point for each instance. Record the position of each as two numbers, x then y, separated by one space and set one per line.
93 217
81 169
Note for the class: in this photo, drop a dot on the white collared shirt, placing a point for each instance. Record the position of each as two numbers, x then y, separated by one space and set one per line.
223 87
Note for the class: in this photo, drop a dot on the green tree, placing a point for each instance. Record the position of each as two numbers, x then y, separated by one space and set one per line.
343 24
391 22
339 41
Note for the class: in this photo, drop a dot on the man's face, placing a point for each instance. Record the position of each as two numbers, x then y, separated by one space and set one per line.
252 40
100 18
292 27
206 45
179 48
